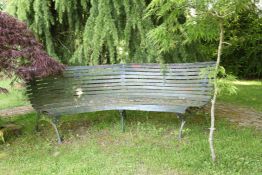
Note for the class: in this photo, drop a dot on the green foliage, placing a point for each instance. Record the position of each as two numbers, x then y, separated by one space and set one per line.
115 33
89 32
2 5
226 84
243 56
197 36
224 81
169 36
172 36
82 32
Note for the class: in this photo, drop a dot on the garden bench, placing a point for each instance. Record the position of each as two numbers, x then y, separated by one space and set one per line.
146 87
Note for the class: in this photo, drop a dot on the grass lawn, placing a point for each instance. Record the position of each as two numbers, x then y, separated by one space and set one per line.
249 94
94 143
15 98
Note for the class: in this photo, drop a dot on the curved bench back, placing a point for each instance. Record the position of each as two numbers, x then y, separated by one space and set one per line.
147 87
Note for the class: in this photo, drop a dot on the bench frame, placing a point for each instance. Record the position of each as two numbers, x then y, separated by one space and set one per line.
56 119
178 110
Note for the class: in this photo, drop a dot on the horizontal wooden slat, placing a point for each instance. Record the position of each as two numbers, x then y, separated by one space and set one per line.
127 85
123 101
147 65
112 81
133 86
132 70
134 92
130 91
127 76
106 88
139 73
61 99
113 101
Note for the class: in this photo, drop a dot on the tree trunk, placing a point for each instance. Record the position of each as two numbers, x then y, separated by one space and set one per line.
213 101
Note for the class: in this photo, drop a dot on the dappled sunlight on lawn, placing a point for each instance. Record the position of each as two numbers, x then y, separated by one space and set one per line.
249 94
248 82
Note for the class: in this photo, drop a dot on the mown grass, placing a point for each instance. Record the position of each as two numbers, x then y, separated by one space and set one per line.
249 94
15 97
94 144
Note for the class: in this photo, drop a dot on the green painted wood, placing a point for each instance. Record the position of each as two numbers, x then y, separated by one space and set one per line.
72 82
147 65
122 87
61 99
157 72
87 90
116 103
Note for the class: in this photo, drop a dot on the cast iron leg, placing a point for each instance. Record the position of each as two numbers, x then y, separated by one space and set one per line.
122 119
2 136
54 123
183 121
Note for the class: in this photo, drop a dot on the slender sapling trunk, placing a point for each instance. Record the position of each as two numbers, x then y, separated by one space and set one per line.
213 101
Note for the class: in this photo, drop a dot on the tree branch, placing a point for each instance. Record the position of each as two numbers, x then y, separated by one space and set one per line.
227 43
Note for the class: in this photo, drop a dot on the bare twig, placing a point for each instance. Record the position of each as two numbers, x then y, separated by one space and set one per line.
227 43
3 91
64 46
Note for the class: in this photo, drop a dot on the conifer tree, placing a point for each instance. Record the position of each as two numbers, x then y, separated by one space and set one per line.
89 32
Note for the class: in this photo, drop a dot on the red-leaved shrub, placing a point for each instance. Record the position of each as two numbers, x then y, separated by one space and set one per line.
21 53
